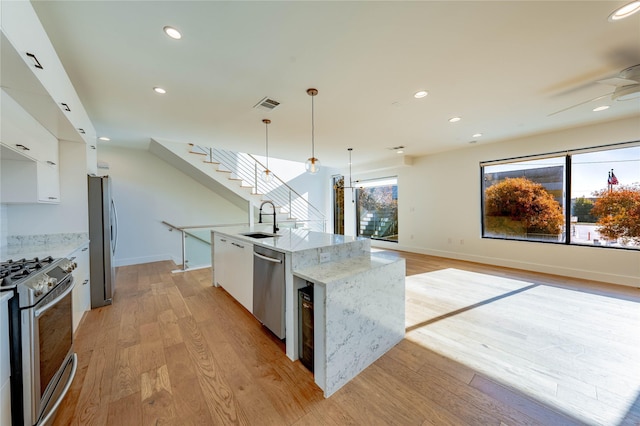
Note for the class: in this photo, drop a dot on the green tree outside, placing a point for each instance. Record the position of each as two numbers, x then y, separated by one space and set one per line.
582 209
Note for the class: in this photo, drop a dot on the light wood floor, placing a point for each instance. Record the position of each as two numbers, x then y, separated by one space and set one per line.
174 350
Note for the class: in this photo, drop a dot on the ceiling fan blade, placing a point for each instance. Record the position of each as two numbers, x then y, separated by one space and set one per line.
581 103
617 81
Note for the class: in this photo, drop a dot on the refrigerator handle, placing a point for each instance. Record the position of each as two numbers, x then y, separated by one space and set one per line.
115 218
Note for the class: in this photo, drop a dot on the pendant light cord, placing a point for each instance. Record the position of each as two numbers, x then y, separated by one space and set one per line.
313 151
266 132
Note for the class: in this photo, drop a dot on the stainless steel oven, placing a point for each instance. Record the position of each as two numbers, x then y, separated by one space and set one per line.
43 363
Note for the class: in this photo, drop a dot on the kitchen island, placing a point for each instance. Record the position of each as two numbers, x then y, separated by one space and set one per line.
358 296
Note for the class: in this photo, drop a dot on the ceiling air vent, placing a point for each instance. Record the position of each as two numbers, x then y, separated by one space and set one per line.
267 104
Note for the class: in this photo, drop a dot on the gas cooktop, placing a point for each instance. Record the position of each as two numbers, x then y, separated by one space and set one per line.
12 271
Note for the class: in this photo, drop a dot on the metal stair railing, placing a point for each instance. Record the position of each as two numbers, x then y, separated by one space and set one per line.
247 169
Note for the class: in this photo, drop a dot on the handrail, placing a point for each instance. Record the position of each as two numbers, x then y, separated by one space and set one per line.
180 228
285 184
185 234
245 167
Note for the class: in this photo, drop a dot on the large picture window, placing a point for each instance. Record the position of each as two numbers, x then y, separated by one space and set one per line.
605 198
586 197
377 209
525 200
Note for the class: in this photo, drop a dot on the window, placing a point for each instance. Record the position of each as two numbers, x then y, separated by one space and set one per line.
377 209
605 198
585 197
525 200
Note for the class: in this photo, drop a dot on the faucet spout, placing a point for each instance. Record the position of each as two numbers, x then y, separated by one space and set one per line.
275 226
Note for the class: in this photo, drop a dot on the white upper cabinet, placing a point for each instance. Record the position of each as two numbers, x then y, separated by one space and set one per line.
22 133
23 31
29 154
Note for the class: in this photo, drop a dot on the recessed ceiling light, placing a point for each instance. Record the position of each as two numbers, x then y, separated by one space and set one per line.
454 119
624 11
476 135
172 32
420 94
399 151
104 138
601 108
159 90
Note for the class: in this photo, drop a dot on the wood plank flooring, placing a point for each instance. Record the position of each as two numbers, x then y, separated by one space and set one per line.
173 350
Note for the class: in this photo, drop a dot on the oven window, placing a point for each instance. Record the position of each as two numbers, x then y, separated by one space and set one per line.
55 340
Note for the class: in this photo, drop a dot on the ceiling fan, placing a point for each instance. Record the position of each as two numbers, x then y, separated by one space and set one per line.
627 87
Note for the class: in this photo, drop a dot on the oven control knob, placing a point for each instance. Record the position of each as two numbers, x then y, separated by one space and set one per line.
51 281
41 286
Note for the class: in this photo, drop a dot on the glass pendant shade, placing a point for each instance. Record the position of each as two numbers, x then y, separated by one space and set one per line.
267 176
312 165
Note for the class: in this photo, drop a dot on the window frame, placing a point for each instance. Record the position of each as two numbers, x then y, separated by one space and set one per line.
568 155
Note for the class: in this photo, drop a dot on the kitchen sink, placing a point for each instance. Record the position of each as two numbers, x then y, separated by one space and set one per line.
259 235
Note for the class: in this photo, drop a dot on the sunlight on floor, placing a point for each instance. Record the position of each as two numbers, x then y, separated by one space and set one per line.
574 351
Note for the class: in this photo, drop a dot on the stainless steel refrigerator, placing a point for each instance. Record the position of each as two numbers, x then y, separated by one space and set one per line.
103 236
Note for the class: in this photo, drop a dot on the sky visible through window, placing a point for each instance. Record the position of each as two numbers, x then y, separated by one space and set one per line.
590 170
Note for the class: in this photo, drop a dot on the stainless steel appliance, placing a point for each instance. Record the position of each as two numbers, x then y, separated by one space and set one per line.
43 363
268 289
103 236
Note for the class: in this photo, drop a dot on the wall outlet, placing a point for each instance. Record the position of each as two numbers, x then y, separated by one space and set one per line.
461 242
325 257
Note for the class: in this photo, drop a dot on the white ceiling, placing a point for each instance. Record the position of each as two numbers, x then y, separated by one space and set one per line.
501 66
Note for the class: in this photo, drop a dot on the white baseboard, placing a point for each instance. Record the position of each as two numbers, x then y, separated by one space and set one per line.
145 259
626 280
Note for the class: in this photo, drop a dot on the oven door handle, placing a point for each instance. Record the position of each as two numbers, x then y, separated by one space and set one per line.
54 408
39 311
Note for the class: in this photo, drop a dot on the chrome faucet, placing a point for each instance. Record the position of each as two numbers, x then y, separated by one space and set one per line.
275 227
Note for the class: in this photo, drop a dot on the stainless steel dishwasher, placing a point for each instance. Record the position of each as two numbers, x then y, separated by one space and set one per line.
268 289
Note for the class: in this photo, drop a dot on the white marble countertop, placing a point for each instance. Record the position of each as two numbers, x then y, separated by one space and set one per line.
288 240
338 271
57 246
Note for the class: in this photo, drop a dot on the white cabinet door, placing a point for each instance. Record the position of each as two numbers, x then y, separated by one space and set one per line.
23 29
220 257
81 296
92 158
240 273
48 182
233 268
24 134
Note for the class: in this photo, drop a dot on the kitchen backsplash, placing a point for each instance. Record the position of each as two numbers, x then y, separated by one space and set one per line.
29 241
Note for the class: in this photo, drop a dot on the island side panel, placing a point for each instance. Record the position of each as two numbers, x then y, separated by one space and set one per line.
364 318
303 259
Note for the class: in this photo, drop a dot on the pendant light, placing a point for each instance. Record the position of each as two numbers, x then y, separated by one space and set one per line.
342 185
266 174
350 181
312 165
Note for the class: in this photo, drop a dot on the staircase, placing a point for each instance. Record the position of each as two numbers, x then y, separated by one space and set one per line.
378 224
240 174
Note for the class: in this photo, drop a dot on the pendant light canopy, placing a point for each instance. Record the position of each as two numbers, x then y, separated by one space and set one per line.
266 174
312 165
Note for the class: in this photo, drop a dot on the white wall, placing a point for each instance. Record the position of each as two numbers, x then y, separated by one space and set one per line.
147 191
439 201
4 229
70 215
